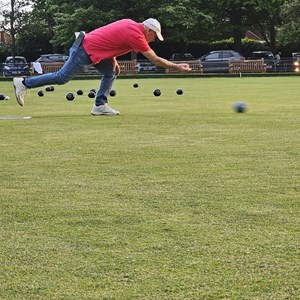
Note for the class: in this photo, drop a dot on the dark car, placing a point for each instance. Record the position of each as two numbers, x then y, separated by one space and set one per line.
268 57
182 57
262 54
15 66
218 61
52 58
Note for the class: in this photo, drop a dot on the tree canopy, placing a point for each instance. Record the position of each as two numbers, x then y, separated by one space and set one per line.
49 25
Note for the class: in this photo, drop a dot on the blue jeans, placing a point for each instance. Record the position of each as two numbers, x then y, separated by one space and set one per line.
75 64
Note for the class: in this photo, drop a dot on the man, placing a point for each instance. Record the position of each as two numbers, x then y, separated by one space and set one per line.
101 47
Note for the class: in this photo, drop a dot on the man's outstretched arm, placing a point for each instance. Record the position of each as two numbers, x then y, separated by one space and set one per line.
164 63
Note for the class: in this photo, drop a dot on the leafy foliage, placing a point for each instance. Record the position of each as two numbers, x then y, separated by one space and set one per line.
14 18
51 24
37 30
289 32
184 20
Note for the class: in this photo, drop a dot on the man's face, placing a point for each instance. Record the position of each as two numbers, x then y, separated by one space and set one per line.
150 35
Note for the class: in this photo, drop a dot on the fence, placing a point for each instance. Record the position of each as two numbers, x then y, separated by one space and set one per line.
47 67
127 67
248 66
245 66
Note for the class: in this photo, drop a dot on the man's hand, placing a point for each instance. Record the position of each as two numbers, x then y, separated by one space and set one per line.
116 66
184 68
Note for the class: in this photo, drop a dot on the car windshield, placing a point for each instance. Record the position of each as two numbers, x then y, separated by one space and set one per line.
16 60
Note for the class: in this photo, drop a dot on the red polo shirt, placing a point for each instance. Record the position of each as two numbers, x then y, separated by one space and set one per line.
115 39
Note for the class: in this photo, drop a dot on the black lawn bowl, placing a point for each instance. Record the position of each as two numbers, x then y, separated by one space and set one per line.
41 93
91 94
157 92
112 93
70 97
49 88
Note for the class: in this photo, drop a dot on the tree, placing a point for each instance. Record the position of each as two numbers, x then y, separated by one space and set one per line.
51 24
182 20
37 31
229 19
185 20
266 18
236 16
289 32
86 15
14 16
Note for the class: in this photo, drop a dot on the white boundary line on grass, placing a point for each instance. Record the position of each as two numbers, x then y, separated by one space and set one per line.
14 118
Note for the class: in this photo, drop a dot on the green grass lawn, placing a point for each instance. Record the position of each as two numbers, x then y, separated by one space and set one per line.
178 197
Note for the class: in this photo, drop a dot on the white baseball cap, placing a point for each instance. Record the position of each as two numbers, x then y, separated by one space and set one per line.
155 26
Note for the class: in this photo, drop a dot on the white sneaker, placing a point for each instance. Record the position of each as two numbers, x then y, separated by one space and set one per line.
20 90
103 110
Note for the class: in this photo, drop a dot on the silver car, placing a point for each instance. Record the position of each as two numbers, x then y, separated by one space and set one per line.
145 67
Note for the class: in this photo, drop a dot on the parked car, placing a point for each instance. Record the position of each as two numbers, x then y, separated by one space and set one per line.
268 57
296 61
182 56
145 67
52 58
15 66
296 55
218 61
262 54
